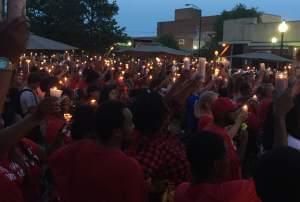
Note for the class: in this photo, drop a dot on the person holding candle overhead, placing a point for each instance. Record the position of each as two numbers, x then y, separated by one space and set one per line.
207 154
228 119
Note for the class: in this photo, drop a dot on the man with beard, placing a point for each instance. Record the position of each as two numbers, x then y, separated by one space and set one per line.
228 119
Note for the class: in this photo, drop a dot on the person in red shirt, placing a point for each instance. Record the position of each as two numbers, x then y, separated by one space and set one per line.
227 122
160 153
97 170
265 103
203 109
9 191
207 156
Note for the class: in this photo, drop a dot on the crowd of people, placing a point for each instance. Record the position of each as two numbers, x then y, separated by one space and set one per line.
113 128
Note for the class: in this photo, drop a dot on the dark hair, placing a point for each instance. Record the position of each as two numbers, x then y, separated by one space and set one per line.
92 76
277 176
48 82
68 92
245 89
203 150
92 89
149 111
109 116
104 96
84 122
34 78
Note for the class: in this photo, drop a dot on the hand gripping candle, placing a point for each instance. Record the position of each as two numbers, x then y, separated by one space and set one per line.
202 68
15 9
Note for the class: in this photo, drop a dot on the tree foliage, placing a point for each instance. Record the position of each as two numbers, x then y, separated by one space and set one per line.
168 40
88 24
239 11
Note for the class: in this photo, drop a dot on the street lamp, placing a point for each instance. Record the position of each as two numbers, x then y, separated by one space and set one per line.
282 28
274 40
200 25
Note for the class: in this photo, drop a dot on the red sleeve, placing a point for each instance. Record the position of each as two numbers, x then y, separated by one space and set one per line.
204 121
32 145
54 125
9 192
134 184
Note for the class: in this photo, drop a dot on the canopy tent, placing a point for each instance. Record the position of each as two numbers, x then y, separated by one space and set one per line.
262 56
40 43
154 49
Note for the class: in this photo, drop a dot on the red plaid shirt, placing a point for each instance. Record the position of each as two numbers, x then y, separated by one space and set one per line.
162 158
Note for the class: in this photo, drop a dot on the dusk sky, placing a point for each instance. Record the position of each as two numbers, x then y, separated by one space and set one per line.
140 16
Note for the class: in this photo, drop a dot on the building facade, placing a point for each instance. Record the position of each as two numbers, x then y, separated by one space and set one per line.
255 34
185 28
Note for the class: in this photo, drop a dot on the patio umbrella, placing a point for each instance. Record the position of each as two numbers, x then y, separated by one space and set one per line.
262 56
41 43
155 49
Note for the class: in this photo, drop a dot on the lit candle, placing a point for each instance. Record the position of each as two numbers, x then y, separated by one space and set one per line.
245 108
202 68
54 92
150 77
121 78
254 98
281 81
68 117
93 102
28 65
216 72
186 63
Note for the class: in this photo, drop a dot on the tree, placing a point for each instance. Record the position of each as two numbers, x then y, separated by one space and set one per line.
239 11
168 40
88 24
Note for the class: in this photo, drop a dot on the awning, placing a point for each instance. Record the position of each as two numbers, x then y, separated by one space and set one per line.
40 43
262 56
155 49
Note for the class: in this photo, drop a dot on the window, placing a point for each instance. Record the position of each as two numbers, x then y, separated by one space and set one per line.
181 41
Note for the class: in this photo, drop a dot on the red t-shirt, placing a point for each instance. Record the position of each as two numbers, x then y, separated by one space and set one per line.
235 166
263 109
54 125
28 176
232 191
204 121
162 158
88 172
9 191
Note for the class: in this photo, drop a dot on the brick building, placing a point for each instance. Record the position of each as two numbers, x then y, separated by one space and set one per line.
185 28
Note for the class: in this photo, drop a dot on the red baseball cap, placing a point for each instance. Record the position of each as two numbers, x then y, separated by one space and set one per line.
223 105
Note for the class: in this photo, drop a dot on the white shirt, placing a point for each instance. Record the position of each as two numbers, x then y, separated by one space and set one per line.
28 100
293 142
